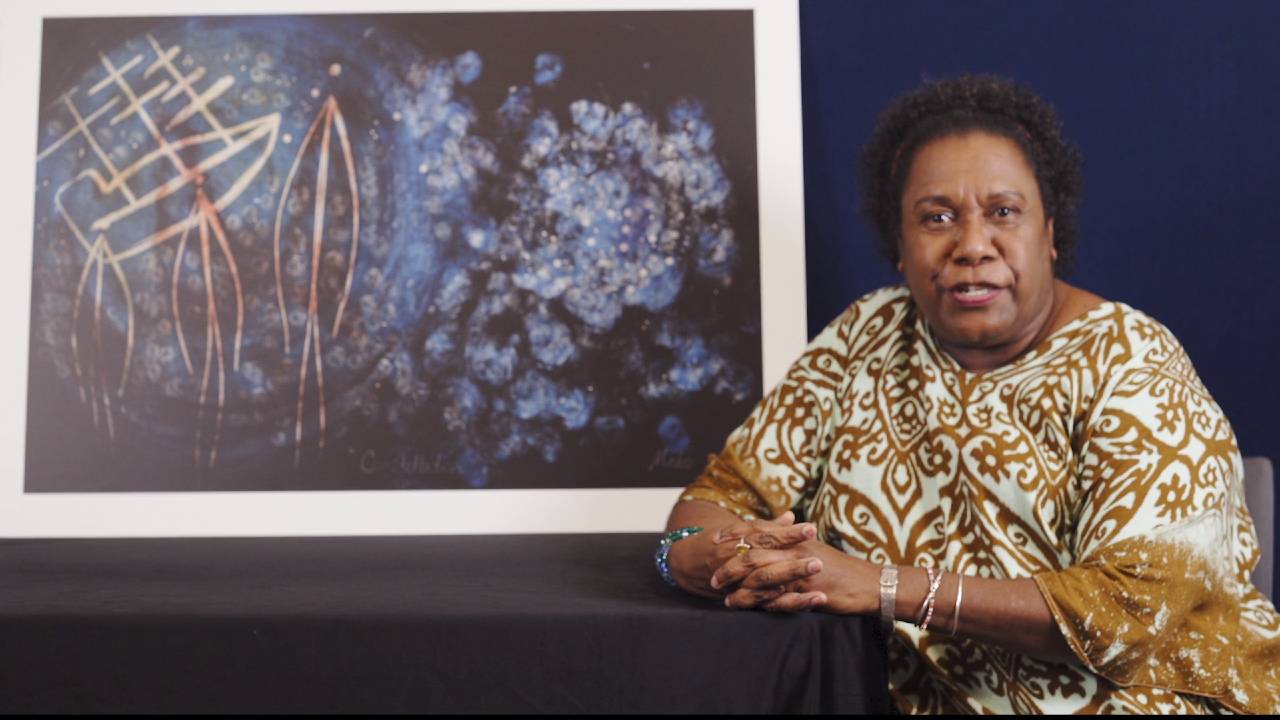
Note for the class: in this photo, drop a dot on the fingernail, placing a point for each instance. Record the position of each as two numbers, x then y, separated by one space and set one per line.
726 602
814 566
715 582
815 602
810 531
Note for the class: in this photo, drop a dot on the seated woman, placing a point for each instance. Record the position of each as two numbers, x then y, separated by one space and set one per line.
1030 480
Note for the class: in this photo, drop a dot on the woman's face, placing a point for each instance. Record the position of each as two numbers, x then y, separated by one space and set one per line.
977 251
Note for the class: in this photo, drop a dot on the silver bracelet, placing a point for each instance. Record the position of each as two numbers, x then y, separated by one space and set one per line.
955 614
888 596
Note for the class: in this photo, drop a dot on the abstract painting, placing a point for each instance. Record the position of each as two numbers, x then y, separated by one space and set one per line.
416 251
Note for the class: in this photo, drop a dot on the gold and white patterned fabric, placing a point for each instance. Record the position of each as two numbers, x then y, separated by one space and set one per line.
1096 463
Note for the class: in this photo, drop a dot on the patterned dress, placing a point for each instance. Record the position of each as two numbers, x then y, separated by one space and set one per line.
1097 464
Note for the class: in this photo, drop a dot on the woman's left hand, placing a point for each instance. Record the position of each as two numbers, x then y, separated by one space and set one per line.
842 583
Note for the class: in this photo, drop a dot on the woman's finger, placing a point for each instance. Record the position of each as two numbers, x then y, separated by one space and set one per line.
794 602
740 530
736 568
744 598
780 537
781 573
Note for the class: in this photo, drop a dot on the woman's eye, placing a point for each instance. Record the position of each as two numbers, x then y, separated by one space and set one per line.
1004 212
937 218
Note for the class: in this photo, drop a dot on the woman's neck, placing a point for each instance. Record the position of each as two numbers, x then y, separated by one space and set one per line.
1066 304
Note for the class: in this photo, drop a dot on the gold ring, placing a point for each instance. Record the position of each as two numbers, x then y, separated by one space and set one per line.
742 547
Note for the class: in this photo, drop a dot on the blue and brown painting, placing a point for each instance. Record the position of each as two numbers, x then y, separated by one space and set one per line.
435 251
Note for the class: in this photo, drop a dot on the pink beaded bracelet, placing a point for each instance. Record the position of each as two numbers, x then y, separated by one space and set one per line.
926 610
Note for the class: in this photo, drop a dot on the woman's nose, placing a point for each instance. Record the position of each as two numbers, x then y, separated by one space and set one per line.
974 245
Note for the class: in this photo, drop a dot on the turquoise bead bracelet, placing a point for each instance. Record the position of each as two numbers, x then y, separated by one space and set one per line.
664 547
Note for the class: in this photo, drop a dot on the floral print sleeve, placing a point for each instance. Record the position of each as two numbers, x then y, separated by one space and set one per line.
1159 592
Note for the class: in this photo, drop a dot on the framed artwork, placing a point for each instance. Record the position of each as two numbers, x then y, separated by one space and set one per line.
317 268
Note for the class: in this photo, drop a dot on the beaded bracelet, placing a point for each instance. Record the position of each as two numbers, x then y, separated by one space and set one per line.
926 610
664 547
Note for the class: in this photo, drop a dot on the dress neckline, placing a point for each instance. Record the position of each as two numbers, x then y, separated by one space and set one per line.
1045 347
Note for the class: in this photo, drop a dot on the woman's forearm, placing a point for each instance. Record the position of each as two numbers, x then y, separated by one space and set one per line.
700 513
1005 613
1008 613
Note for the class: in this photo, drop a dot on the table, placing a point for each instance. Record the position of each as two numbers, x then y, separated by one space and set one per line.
500 623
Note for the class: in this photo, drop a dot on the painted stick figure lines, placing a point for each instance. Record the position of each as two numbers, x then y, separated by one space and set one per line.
111 249
331 124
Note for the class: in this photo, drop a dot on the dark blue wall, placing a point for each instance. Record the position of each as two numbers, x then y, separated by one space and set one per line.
1176 107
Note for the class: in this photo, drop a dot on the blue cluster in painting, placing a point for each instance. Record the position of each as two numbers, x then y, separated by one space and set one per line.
547 68
514 290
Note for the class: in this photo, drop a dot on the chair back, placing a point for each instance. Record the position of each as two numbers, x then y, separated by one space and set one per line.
1260 498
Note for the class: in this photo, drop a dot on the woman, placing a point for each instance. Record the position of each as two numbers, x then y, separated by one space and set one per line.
1029 482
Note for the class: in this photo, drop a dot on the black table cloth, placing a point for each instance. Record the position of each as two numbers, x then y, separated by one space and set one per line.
508 623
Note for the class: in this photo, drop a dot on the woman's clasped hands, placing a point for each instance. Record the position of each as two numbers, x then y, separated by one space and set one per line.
776 565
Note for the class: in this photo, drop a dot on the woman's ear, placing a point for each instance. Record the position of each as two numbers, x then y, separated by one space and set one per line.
1053 247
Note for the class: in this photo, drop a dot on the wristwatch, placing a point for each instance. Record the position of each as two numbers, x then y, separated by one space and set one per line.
888 596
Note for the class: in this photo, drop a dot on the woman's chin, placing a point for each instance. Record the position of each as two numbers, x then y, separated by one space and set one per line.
973 334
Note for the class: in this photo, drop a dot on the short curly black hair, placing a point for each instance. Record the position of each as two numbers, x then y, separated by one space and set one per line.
955 106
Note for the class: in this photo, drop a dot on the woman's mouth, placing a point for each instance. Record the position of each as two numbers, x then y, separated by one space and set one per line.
973 295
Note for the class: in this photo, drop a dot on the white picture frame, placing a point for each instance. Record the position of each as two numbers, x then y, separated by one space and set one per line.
322 513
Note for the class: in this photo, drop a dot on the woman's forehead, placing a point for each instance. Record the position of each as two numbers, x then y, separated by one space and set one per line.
974 162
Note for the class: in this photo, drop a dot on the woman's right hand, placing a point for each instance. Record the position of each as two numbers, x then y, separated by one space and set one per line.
695 559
